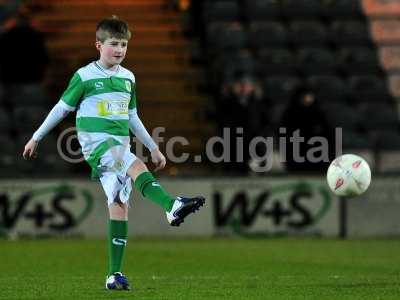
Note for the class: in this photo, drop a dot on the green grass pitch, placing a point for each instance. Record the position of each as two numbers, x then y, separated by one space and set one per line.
204 269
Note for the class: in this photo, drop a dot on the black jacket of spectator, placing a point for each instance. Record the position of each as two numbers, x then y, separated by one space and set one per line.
304 114
241 106
23 55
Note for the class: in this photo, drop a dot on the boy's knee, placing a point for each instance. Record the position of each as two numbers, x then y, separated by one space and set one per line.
118 211
136 169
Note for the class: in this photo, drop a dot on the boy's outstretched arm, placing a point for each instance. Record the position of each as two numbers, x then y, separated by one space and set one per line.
58 113
141 133
30 149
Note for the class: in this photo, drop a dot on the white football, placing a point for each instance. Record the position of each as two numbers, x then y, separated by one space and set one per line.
349 175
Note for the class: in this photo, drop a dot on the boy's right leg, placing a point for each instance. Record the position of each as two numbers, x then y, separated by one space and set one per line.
117 239
117 235
117 189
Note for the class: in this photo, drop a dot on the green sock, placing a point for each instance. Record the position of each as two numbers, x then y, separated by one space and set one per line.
117 237
147 185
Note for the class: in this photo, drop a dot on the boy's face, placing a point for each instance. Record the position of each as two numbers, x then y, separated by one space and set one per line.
112 51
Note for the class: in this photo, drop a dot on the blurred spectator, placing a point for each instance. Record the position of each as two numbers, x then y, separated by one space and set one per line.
23 55
195 25
304 114
8 8
241 105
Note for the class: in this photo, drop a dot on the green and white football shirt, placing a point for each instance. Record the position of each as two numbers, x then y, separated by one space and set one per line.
103 100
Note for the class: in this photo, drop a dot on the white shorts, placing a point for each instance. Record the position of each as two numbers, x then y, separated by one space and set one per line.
116 183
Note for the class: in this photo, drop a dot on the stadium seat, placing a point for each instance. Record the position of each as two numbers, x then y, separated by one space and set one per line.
8 153
2 91
276 112
222 10
379 117
279 89
276 62
359 61
369 88
50 158
316 61
355 140
262 10
226 36
329 88
308 33
5 121
345 9
387 139
267 34
350 33
28 118
26 94
226 65
341 115
388 150
47 162
388 161
292 9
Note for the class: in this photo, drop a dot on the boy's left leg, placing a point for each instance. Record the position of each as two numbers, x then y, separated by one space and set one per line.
148 186
177 208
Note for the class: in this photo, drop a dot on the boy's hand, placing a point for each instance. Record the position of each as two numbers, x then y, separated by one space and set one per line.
30 149
158 159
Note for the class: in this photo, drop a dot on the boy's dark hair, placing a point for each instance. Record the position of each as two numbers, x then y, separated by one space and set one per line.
112 28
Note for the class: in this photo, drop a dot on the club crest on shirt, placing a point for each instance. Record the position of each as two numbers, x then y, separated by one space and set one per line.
128 85
99 85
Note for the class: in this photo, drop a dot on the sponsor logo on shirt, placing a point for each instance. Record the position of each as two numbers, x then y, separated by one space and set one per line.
115 107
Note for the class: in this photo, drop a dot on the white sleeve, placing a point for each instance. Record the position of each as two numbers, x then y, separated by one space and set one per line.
140 131
59 112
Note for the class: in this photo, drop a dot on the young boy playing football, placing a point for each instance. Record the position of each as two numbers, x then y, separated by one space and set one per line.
103 92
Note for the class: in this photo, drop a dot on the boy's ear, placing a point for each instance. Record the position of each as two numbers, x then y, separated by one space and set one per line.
98 45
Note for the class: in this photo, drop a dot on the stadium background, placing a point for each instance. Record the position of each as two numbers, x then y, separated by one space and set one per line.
185 55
